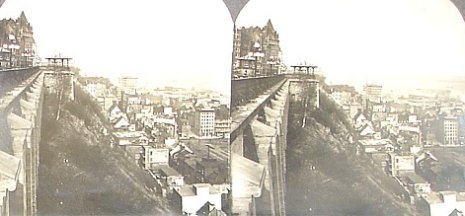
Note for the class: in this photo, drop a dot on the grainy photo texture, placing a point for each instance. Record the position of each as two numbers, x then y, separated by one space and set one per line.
233 107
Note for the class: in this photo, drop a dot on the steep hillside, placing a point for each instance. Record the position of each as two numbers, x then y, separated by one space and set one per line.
80 174
326 176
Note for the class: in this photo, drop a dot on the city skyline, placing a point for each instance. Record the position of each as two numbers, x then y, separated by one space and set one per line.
354 44
178 42
393 43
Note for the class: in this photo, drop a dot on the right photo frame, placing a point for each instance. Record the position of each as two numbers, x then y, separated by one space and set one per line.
347 108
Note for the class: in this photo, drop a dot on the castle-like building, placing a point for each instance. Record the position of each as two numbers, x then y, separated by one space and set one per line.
256 51
17 45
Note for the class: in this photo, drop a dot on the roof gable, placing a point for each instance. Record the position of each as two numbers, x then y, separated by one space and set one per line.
359 115
367 129
121 122
113 107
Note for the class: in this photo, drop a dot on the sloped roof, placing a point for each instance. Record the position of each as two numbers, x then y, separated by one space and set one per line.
359 113
269 25
168 171
456 213
209 209
113 107
120 119
190 190
181 148
22 16
366 126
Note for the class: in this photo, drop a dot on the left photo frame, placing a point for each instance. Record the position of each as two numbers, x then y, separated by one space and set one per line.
115 108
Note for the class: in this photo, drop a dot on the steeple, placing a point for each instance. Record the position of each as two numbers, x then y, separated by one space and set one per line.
269 25
22 15
22 18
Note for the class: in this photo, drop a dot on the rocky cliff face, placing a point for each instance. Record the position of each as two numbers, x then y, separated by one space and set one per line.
80 174
326 176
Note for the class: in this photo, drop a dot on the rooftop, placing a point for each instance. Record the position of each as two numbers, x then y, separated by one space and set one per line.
436 197
189 190
410 129
415 178
168 171
129 134
366 142
374 86
207 110
433 198
401 154
218 149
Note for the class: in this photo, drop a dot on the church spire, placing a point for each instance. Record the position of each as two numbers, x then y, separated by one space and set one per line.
22 17
269 25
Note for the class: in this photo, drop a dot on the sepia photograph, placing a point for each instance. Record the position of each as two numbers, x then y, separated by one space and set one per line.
114 107
232 107
348 108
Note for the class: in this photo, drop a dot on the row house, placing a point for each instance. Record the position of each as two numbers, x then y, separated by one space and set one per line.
170 179
222 128
155 155
133 143
401 163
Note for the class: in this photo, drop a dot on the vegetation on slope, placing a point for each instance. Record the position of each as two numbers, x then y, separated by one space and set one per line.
80 174
326 176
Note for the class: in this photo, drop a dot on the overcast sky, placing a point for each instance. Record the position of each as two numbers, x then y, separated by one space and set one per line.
359 41
178 41
162 42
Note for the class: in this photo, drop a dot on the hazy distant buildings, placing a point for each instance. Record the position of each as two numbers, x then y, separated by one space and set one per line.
222 128
96 90
128 84
101 91
448 130
373 92
204 122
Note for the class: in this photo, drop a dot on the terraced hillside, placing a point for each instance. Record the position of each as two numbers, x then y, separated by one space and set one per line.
326 176
80 174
